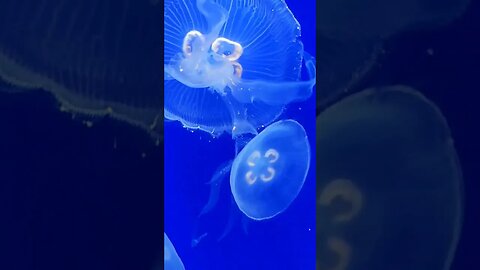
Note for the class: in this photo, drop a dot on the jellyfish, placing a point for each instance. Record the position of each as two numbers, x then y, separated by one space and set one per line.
270 171
266 176
389 185
232 66
171 260
97 58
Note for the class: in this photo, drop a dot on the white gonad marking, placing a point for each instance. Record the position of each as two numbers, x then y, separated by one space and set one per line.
272 155
250 177
228 49
255 159
252 158
189 39
271 174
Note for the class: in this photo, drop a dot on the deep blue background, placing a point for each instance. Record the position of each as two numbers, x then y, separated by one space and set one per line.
284 242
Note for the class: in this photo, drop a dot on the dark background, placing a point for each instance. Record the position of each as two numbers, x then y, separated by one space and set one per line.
449 75
74 197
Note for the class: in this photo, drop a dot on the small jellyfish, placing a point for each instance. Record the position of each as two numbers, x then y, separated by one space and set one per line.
389 185
270 171
171 260
232 66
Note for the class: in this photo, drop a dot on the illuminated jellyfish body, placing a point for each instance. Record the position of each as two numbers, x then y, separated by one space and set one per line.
270 171
96 57
389 187
231 66
171 260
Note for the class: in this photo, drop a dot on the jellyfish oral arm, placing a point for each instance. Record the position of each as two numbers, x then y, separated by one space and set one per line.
277 93
206 61
215 14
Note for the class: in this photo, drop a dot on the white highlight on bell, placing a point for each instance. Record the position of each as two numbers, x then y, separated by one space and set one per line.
255 159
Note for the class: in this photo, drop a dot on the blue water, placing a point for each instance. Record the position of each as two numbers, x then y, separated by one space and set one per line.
285 242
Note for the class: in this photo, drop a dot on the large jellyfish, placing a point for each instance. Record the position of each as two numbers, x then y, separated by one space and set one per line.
171 260
95 57
231 66
269 172
389 186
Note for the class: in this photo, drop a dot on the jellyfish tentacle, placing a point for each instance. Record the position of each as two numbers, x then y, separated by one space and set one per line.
197 240
215 186
232 220
245 221
240 118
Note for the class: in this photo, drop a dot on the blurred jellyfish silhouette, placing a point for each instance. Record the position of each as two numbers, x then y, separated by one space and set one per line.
171 260
269 172
389 184
96 57
232 66
351 35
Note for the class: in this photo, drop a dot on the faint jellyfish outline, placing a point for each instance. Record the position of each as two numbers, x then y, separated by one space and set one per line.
397 184
116 84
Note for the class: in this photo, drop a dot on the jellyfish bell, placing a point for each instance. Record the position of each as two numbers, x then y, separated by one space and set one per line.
270 171
389 185
171 260
232 66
